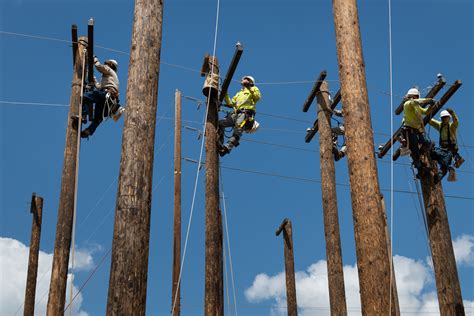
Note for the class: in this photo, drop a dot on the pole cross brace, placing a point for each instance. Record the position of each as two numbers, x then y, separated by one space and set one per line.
282 226
431 94
230 72
310 132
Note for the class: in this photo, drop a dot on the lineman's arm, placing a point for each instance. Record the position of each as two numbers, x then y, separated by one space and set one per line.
255 92
424 101
229 102
103 69
455 118
435 123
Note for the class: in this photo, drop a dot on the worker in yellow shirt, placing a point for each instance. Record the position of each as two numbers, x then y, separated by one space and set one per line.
448 134
243 117
448 149
414 109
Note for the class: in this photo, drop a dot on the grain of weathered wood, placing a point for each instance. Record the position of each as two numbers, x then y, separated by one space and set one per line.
62 244
37 211
291 302
371 244
446 274
337 297
130 247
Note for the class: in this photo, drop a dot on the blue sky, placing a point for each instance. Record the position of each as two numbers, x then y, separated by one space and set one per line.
283 42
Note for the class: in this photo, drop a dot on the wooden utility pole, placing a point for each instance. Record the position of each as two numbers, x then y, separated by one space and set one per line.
393 281
446 274
175 293
62 244
285 226
337 296
371 244
214 288
130 246
37 211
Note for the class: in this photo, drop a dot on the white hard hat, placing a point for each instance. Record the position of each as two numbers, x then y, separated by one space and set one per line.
444 113
249 78
113 62
413 91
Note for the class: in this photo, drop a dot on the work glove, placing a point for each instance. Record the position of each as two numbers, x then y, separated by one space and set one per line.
96 60
450 110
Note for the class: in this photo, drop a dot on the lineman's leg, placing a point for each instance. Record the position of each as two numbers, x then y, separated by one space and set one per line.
98 115
228 121
234 140
415 150
458 160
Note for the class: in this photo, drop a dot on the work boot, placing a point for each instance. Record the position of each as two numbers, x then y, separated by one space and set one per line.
224 150
86 133
338 155
452 175
459 162
117 114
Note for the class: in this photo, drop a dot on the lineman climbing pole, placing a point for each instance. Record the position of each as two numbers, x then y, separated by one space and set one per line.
175 289
373 259
337 296
291 304
447 280
62 244
214 288
129 269
37 211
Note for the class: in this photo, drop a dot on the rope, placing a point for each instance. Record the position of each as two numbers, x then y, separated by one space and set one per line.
199 163
228 239
226 281
76 180
391 154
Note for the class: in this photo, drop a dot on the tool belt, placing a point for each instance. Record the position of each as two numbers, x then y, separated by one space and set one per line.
448 144
249 118
114 94
412 130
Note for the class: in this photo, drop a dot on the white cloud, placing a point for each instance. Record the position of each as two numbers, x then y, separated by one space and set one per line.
464 250
415 283
13 266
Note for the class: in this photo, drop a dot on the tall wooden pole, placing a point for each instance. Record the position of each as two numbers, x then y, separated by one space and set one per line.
395 310
446 274
286 227
175 294
129 269
62 244
214 288
337 296
37 211
371 244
